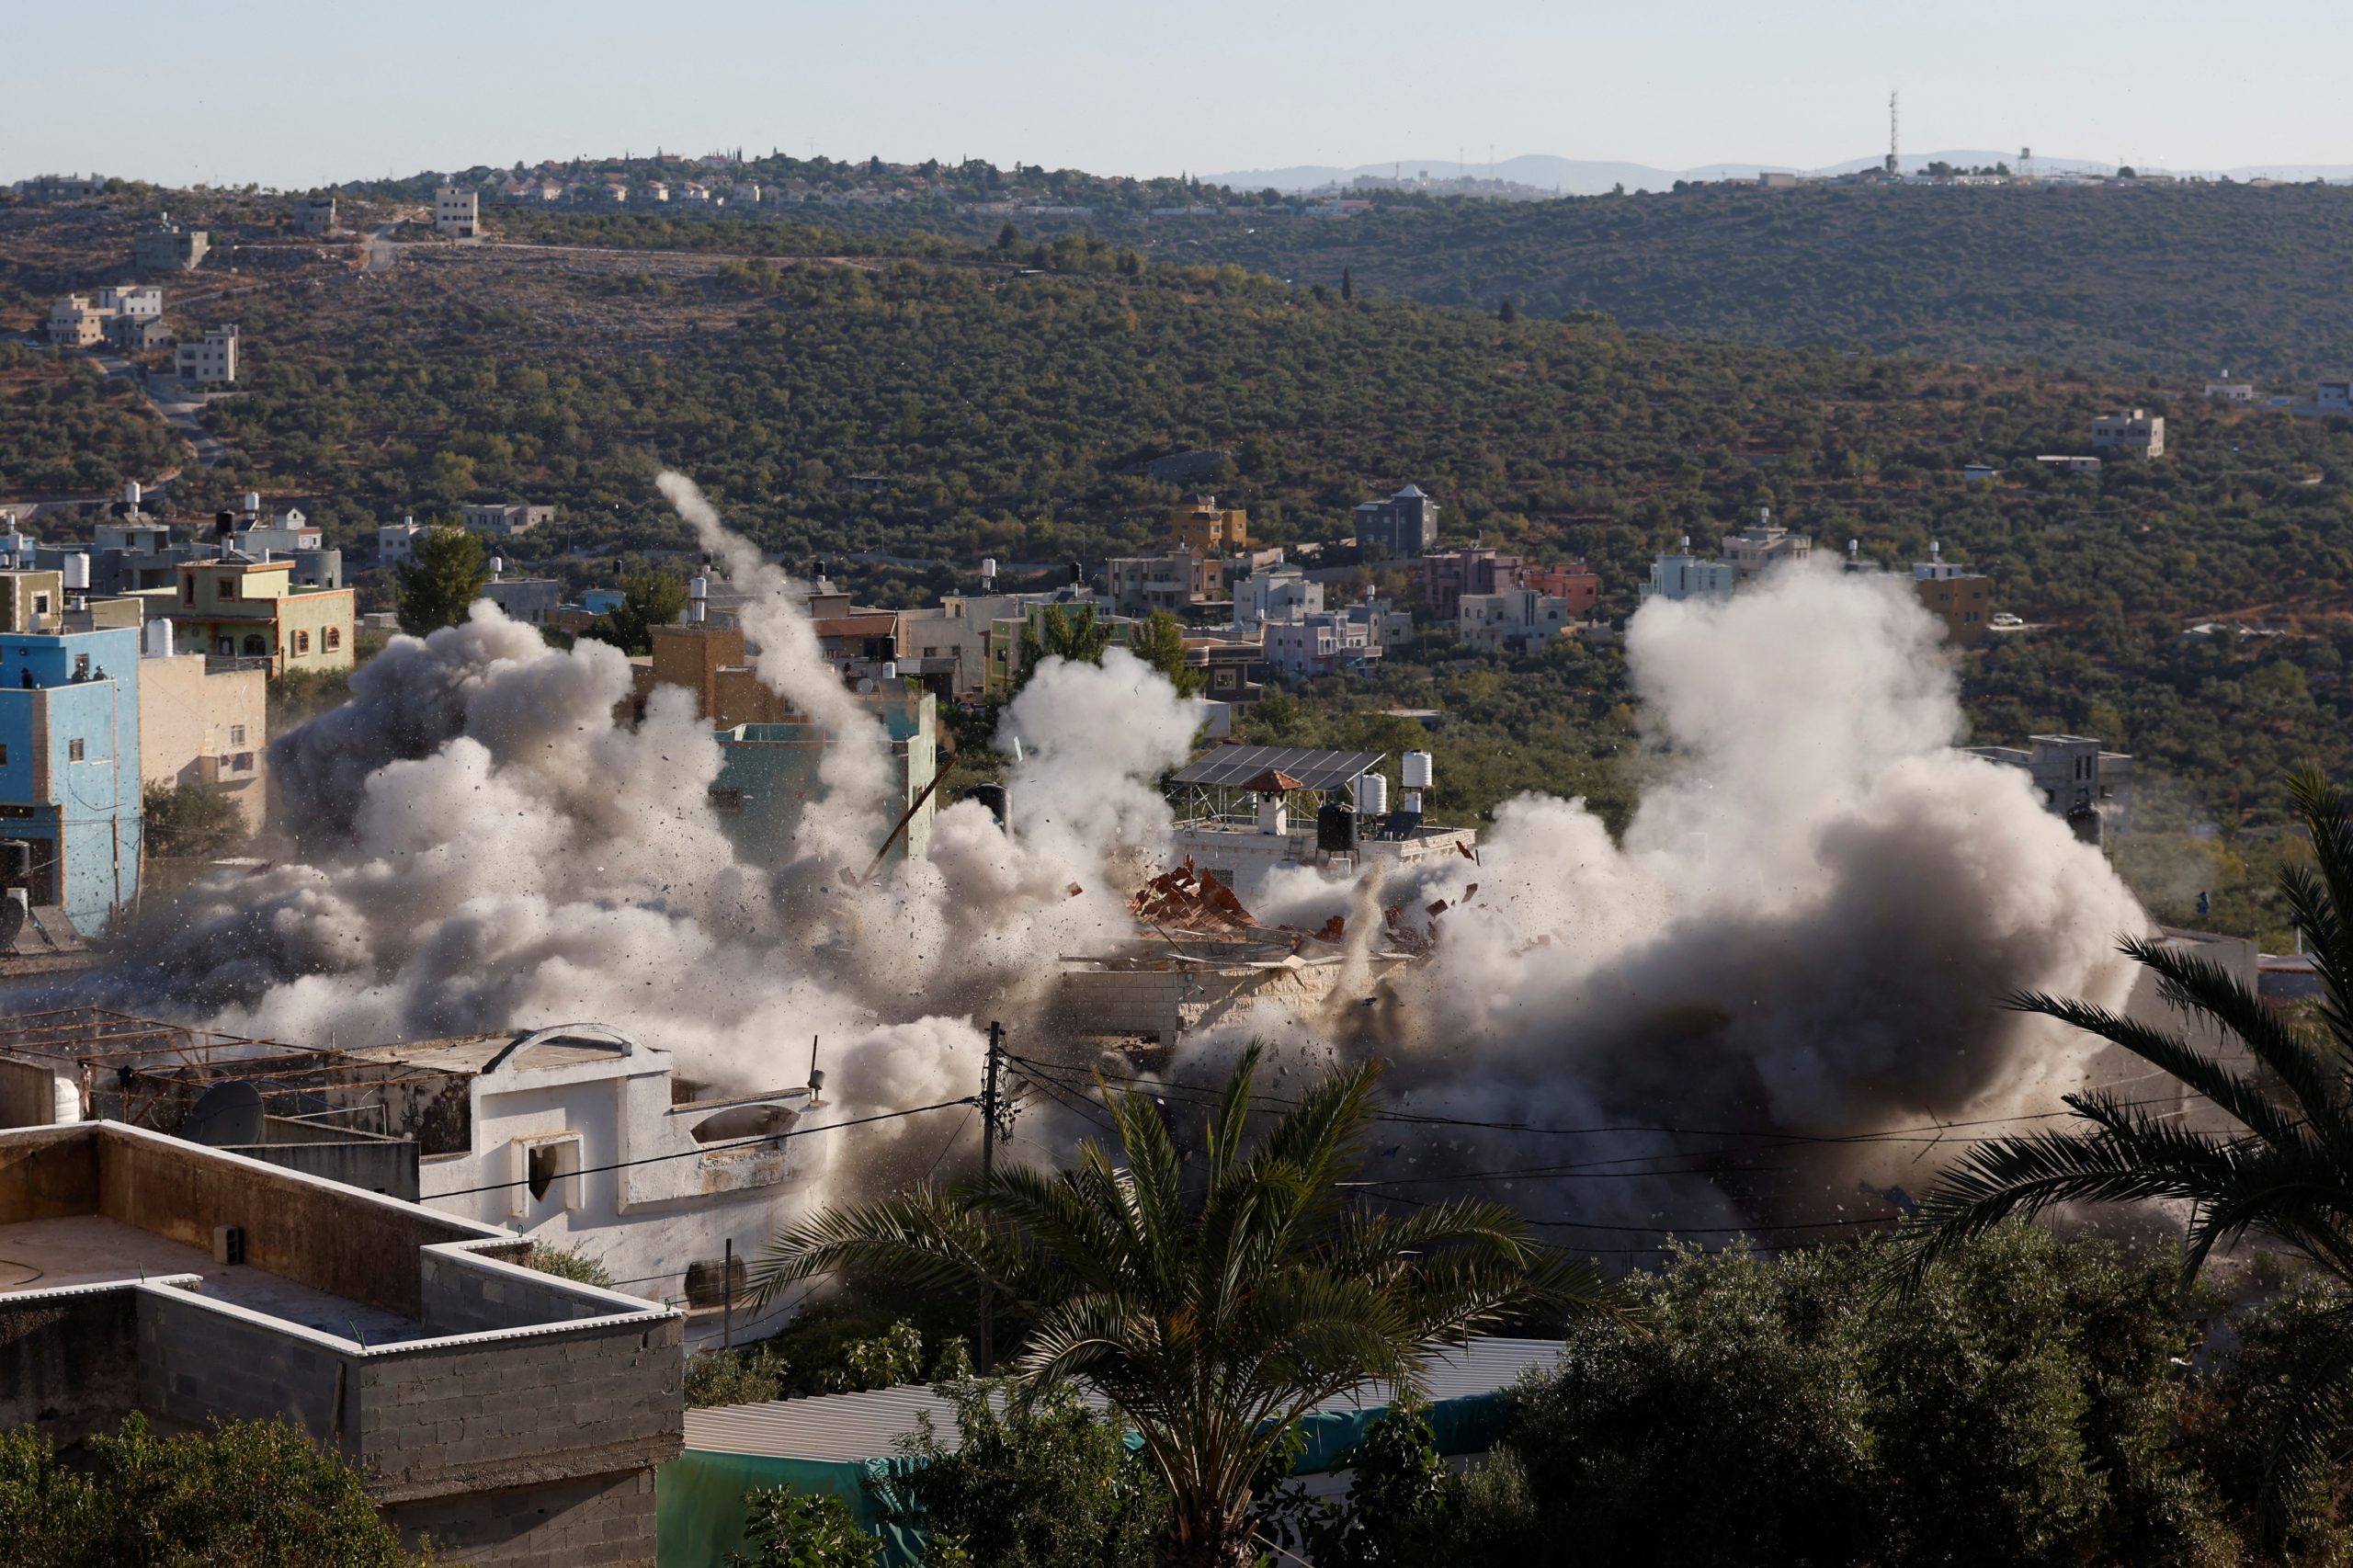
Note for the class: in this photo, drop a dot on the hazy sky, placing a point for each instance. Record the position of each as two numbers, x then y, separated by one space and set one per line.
297 91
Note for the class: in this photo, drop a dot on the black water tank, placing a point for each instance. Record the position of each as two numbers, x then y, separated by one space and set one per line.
1335 829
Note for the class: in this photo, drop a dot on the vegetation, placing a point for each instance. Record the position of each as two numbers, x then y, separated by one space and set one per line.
802 1529
2288 1176
572 1263
254 1494
1210 1311
190 821
65 430
826 1352
442 582
648 599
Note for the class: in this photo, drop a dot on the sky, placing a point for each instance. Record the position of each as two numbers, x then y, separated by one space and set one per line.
296 93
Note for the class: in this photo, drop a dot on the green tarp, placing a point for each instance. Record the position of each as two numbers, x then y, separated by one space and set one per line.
700 1495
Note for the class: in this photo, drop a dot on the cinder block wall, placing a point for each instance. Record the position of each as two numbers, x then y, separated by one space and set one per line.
603 1519
196 1361
68 1360
460 1294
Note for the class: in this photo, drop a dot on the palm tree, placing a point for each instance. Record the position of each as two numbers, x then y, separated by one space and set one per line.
1212 1312
2287 1176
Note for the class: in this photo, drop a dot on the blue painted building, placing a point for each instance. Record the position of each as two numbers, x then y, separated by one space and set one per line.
768 774
69 769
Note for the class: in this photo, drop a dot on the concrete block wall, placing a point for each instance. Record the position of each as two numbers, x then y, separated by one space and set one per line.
1168 1003
67 1360
521 1407
461 1293
602 1519
197 1360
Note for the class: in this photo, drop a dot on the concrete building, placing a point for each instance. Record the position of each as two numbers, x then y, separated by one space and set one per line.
955 633
504 520
1185 583
2230 392
2329 398
516 1417
313 214
1307 644
2135 433
396 542
69 752
1402 528
1199 524
768 776
1962 600
1007 636
170 248
1684 576
1765 543
2076 780
203 726
527 600
211 361
1516 621
1444 578
133 299
75 323
1575 584
138 334
1275 591
456 214
236 608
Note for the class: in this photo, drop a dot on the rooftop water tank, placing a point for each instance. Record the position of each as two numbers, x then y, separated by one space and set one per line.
1415 772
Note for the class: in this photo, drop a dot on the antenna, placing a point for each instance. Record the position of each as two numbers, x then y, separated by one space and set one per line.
1891 166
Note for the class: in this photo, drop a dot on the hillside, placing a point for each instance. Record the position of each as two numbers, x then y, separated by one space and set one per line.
2175 281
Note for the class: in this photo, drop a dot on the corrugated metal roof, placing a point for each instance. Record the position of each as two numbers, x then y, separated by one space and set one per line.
844 1429
1231 765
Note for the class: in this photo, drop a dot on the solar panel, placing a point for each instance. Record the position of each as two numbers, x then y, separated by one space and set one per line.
1232 767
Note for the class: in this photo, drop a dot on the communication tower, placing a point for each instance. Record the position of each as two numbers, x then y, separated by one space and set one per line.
1892 169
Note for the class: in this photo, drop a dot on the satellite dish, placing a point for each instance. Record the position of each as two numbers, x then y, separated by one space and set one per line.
12 920
226 1114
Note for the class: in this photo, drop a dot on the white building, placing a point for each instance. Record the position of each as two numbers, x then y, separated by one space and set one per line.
506 519
1686 576
211 362
457 213
1273 593
548 1115
73 323
2076 779
2332 397
2136 432
2230 392
1764 543
144 303
396 542
282 535
1305 644
1514 619
1237 826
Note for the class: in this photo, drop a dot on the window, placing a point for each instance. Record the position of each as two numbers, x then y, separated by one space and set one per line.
334 637
225 586
4 754
188 591
41 604
242 763
254 647
726 799
302 643
74 751
237 734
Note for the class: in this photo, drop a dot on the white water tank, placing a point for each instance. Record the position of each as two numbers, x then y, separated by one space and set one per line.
889 670
78 571
698 596
1411 803
131 492
1372 794
1274 815
253 502
157 638
1415 772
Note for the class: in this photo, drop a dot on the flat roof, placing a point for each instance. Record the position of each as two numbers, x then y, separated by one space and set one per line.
1232 767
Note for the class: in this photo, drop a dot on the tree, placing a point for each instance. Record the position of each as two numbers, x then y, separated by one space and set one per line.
440 584
2289 1175
256 1493
648 599
1055 631
802 1529
1007 237
1507 313
189 821
1348 284
1160 643
1212 1311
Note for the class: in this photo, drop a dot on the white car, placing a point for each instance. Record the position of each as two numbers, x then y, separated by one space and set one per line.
2005 621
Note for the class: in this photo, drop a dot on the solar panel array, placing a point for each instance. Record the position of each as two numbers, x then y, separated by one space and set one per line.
1232 767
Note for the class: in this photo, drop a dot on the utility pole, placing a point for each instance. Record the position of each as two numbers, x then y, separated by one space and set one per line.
996 1121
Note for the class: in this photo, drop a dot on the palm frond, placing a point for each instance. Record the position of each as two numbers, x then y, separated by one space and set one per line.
2240 1097
922 1237
2203 986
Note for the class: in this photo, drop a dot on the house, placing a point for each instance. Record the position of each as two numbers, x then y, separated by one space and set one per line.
2230 392
75 323
528 599
203 726
2066 464
212 361
1962 600
2330 398
1182 582
170 248
1307 644
457 213
1402 528
2076 779
70 813
2135 433
1275 591
1199 524
514 1416
1444 578
1684 576
138 334
131 301
396 542
313 214
1575 583
768 776
1764 543
233 606
954 635
506 519
1517 619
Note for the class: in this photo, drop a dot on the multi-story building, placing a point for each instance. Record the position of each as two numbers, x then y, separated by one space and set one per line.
1402 528
1182 583
138 334
236 608
2135 432
1684 576
1200 525
396 542
1516 620
1446 577
954 635
170 248
75 323
1307 644
211 361
2330 398
69 750
1962 600
457 213
527 600
1275 591
506 519
1574 584
2076 779
768 776
204 724
315 214
1765 543
516 1417
129 299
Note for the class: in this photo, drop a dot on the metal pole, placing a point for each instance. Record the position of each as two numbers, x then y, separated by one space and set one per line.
988 1167
727 1300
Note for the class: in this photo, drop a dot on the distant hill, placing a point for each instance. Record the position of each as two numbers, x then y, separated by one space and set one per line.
2180 281
1577 176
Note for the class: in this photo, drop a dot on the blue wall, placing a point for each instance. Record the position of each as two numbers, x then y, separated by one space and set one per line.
92 804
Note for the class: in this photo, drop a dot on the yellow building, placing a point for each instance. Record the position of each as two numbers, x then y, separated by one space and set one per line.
253 609
1200 526
201 725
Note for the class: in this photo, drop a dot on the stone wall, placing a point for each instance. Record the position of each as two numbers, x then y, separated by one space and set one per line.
67 1360
605 1519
